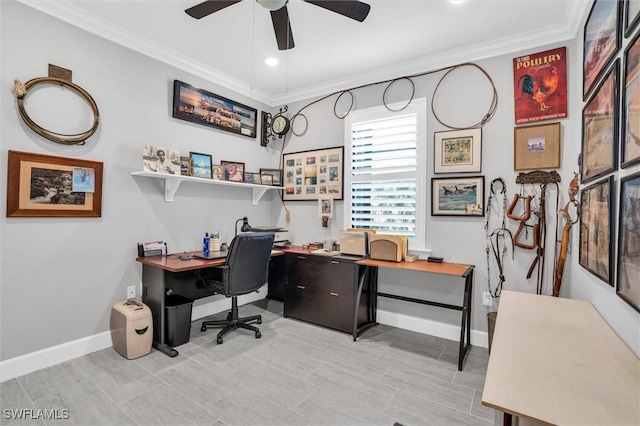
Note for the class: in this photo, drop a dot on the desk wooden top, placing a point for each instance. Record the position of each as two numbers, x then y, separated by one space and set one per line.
556 361
173 262
446 268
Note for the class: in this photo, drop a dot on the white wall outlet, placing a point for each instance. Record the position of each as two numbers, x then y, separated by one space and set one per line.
131 292
486 299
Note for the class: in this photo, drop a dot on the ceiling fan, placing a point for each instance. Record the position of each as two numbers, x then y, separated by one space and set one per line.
353 9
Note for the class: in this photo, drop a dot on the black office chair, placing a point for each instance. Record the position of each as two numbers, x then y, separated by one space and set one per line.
245 270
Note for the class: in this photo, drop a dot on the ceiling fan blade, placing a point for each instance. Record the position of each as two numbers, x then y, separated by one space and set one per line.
350 8
282 28
208 7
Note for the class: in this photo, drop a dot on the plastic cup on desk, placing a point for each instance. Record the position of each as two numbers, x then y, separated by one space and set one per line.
214 244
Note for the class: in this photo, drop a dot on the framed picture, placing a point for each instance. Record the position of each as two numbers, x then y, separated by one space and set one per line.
266 179
201 165
540 86
536 147
628 284
186 166
309 175
233 171
276 175
632 16
458 151
208 109
43 186
325 207
459 196
599 128
252 177
601 41
160 160
630 138
595 229
217 172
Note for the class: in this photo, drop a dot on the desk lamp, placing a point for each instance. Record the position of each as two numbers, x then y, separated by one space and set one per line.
245 225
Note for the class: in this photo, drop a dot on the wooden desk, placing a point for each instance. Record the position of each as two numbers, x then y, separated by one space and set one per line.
160 271
445 268
556 361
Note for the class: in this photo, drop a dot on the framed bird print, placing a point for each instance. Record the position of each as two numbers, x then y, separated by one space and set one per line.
540 86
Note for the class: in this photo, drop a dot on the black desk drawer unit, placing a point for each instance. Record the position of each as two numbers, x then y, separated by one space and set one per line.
322 289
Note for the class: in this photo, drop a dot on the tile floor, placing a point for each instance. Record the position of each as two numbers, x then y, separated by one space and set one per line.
296 374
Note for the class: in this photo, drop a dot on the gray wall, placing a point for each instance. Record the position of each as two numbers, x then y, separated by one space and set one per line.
60 277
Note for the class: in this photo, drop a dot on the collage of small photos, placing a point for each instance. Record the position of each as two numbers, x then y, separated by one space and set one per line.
312 174
170 161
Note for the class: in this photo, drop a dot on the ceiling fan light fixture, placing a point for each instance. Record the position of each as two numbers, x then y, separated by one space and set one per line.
272 4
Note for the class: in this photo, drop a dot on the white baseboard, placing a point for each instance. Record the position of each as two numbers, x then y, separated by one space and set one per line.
44 358
433 328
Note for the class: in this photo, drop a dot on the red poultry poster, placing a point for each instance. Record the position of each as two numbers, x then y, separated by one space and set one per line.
540 86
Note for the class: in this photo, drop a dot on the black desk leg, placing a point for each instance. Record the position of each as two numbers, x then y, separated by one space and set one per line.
465 326
371 305
165 349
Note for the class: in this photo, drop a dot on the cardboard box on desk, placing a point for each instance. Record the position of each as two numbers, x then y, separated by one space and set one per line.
392 248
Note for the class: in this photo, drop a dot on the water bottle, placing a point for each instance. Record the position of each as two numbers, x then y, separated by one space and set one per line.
205 243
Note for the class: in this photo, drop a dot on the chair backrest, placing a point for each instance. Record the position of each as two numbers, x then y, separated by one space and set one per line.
248 261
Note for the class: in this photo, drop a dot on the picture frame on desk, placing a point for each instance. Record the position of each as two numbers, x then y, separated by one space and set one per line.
201 165
458 196
41 185
596 224
208 109
628 265
311 173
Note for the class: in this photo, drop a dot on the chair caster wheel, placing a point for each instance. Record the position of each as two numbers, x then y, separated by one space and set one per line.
203 329
259 321
219 340
258 335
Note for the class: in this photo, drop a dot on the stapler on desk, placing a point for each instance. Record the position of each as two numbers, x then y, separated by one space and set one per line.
435 259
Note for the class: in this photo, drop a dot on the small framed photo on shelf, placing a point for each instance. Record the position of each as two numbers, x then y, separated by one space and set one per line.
186 166
596 223
276 175
266 179
160 160
459 196
201 165
458 151
536 147
233 171
252 177
600 128
217 172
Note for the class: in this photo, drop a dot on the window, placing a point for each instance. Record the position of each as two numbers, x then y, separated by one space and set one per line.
385 171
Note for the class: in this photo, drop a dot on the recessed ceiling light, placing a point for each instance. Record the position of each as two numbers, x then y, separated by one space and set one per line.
271 61
457 1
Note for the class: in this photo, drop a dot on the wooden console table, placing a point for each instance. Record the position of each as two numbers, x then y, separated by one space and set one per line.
445 268
556 361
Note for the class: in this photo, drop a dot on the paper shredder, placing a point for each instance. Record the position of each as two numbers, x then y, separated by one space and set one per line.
131 328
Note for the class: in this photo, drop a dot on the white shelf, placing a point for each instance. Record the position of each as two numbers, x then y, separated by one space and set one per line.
172 183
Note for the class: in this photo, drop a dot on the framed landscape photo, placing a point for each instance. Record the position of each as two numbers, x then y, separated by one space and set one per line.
459 196
595 229
201 165
628 284
233 171
458 151
600 129
276 175
208 109
632 16
537 147
309 175
630 135
46 186
602 39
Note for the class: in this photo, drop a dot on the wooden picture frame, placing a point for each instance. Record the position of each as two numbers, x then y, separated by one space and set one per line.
41 185
458 151
208 109
217 172
630 131
276 175
602 39
595 254
309 175
628 285
201 166
537 147
600 128
632 16
186 166
233 171
457 196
